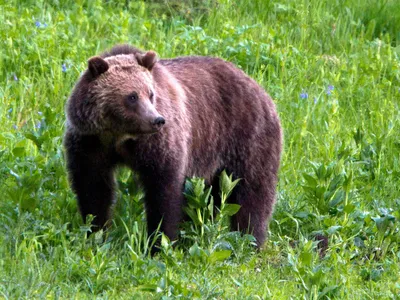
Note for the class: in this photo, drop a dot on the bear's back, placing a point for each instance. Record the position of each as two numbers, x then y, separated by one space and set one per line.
220 87
199 69
216 81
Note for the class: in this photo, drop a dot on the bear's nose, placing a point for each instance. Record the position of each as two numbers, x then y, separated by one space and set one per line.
158 122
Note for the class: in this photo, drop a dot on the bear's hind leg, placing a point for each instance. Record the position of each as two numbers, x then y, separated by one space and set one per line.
256 207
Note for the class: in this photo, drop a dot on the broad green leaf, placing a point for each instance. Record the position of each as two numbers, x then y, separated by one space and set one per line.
19 151
333 229
164 241
219 255
230 209
311 181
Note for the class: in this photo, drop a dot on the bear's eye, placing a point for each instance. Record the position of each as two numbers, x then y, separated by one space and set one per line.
151 96
133 98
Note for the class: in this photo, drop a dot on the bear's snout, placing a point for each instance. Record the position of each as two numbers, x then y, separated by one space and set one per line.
158 122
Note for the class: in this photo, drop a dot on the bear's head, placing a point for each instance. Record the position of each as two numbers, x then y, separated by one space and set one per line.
116 94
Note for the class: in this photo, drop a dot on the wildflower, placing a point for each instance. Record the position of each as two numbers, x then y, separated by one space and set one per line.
40 25
315 100
15 77
64 68
329 90
38 125
15 127
304 95
40 113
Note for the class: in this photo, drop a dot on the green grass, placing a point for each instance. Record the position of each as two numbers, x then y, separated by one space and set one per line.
340 169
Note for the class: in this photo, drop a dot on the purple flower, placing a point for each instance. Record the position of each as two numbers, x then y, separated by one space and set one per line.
330 89
40 113
15 77
64 68
40 25
315 100
304 95
38 125
15 127
9 111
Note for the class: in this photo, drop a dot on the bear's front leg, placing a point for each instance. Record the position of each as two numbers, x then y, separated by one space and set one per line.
164 201
90 169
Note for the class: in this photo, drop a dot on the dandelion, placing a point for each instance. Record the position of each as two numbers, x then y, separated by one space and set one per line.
304 95
64 68
329 90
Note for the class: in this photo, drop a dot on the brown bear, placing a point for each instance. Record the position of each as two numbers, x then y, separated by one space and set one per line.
168 120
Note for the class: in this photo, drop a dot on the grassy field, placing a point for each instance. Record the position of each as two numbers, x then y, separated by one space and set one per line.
333 69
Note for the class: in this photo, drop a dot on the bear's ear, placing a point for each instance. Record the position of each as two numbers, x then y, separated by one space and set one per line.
147 59
97 66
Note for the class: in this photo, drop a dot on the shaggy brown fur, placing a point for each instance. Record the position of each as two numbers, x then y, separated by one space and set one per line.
168 120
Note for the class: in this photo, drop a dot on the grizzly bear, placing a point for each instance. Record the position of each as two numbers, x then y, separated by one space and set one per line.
168 120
